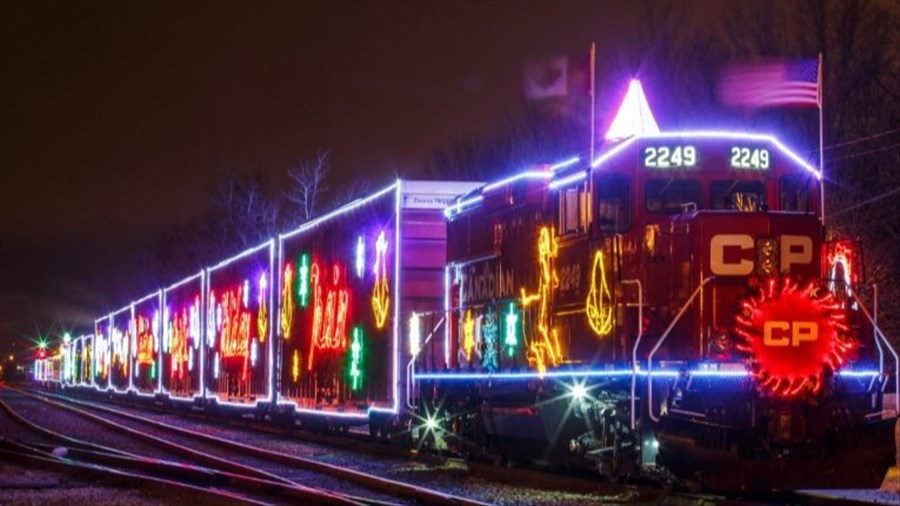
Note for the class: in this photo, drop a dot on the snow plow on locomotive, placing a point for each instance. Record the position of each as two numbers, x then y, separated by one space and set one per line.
672 302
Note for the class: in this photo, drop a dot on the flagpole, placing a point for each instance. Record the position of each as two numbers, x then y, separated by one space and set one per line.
821 142
593 64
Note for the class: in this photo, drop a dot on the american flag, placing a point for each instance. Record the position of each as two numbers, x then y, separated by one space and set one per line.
771 84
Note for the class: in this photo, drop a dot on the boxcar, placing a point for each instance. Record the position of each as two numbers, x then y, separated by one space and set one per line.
347 281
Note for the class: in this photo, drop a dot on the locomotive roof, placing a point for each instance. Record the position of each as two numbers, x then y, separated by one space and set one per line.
572 169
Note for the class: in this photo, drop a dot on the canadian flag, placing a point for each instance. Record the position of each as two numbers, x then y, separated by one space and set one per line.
546 78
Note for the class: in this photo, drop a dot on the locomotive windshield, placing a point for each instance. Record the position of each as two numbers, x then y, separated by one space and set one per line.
737 195
671 196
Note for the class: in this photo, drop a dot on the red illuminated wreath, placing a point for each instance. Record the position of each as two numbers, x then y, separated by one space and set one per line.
793 336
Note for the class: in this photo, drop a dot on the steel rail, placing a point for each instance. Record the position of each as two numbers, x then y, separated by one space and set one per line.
235 470
36 457
386 485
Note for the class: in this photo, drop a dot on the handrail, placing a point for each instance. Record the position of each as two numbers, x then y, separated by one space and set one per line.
637 340
879 333
411 366
663 338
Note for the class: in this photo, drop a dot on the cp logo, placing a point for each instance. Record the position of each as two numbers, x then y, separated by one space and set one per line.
782 333
732 254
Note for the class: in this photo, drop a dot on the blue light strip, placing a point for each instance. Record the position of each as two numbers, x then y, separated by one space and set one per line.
578 176
339 211
708 373
530 174
565 163
710 134
462 205
245 253
184 281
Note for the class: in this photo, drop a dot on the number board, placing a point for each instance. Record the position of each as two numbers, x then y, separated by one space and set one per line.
674 156
750 158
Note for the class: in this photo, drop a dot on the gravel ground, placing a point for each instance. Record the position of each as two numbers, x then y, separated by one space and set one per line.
74 426
451 476
25 486
80 428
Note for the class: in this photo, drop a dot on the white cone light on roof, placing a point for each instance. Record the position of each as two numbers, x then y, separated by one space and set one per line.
634 116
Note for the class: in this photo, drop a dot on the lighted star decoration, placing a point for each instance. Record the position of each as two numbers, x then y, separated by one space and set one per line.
793 337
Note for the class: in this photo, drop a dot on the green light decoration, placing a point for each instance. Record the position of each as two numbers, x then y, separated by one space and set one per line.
303 279
153 370
490 332
356 348
512 319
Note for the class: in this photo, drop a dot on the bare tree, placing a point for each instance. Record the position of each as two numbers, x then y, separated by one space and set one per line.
307 188
239 215
356 188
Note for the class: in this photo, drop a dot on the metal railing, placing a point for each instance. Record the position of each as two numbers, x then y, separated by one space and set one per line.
660 341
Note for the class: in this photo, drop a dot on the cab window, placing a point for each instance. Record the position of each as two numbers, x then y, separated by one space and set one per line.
737 195
671 196
613 203
795 194
573 210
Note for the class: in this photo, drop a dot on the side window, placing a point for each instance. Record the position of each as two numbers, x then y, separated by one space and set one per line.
613 203
572 210
737 195
671 196
795 194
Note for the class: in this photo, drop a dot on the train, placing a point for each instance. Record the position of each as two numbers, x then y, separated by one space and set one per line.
671 305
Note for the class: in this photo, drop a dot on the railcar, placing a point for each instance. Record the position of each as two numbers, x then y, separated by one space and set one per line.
347 281
181 341
238 353
48 371
671 298
85 355
146 321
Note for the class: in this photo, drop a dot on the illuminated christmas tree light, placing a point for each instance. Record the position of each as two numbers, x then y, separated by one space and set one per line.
545 350
356 349
303 275
599 308
295 366
511 341
360 257
381 293
287 301
490 332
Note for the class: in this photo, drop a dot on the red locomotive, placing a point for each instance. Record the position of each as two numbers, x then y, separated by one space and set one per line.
673 296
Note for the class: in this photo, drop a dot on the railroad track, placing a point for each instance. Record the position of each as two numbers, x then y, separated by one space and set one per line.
266 474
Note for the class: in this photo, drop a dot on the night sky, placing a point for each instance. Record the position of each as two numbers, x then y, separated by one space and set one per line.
116 117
